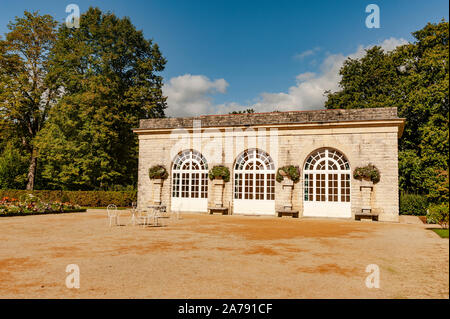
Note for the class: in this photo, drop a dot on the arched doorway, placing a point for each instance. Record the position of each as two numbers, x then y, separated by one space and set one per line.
327 184
254 183
189 182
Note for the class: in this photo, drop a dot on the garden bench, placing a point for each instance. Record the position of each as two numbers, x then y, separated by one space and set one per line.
287 212
370 215
223 210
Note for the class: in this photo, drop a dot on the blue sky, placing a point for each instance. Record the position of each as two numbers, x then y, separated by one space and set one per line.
226 55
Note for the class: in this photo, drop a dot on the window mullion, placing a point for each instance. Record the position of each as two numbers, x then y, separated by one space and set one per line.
314 186
254 174
265 186
339 186
253 184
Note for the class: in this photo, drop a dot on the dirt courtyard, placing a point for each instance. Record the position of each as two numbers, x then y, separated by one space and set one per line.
215 256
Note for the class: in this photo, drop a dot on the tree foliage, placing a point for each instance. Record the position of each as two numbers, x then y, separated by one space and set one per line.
108 73
25 94
13 168
246 111
415 79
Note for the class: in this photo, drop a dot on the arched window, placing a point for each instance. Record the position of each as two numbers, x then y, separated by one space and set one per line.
190 175
254 176
327 177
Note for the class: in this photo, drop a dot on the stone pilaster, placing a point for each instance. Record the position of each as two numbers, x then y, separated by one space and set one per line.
366 188
286 193
157 186
217 192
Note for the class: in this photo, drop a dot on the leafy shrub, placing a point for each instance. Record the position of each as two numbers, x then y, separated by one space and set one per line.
438 214
369 172
291 171
157 172
413 204
82 198
219 171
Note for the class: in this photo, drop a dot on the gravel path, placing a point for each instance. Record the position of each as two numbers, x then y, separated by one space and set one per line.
205 256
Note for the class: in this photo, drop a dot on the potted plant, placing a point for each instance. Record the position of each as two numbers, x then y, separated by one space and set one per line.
290 171
219 172
368 173
157 172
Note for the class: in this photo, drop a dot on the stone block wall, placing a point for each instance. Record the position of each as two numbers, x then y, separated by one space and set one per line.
360 144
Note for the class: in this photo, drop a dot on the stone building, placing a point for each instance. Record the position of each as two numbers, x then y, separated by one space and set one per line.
326 145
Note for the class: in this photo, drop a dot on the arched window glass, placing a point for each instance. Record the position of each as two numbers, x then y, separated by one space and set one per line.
190 175
254 176
327 177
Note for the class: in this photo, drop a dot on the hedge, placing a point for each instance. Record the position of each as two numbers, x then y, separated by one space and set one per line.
413 204
82 198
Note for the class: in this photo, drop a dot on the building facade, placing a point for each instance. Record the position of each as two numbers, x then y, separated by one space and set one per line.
326 145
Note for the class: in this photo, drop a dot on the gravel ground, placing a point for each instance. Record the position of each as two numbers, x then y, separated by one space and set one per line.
215 256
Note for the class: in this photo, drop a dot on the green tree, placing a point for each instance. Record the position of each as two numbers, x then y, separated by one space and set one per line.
108 73
414 78
25 96
13 168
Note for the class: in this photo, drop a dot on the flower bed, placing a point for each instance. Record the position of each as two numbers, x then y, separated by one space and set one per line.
32 205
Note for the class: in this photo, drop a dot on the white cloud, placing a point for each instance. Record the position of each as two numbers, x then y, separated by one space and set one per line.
304 54
190 94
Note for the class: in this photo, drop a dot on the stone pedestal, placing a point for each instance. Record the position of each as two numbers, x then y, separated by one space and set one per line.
157 186
217 192
366 188
286 194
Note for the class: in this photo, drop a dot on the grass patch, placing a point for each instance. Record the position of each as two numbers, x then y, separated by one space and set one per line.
441 232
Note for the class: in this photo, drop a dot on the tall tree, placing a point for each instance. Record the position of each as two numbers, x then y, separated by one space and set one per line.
414 78
109 74
25 96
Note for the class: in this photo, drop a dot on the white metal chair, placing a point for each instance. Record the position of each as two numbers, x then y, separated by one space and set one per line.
156 213
113 214
138 217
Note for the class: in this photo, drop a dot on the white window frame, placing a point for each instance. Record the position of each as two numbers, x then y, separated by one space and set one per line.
265 204
183 165
343 167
